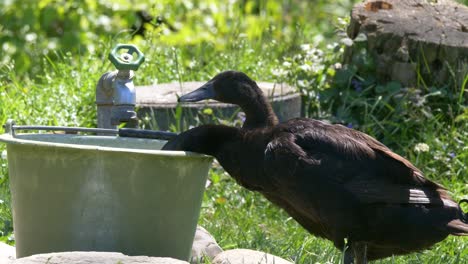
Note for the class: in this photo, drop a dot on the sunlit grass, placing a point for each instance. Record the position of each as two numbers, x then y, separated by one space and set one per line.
242 219
63 94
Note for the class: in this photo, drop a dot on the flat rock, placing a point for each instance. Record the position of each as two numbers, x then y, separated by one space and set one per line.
7 253
204 247
79 257
247 256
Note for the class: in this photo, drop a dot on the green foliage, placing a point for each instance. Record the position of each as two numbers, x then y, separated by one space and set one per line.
6 223
31 29
403 117
53 99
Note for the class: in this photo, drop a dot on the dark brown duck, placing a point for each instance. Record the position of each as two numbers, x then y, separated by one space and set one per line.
338 183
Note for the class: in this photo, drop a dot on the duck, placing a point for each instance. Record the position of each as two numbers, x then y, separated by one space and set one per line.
338 183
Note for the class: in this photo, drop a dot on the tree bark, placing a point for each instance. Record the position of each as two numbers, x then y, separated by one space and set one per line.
413 41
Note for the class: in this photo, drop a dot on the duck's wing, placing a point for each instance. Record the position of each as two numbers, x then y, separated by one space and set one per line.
349 161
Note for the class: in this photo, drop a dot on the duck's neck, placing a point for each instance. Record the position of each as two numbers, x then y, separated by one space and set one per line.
206 139
258 112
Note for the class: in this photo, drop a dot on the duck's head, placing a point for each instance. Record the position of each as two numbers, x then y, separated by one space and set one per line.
237 88
228 87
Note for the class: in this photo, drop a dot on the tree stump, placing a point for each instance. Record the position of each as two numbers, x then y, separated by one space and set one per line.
413 41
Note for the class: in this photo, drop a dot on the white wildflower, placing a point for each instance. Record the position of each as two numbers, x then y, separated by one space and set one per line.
305 67
316 52
8 48
303 83
287 64
104 21
51 45
317 67
421 147
207 184
4 154
209 21
192 64
306 47
279 72
297 57
341 21
332 45
315 55
30 37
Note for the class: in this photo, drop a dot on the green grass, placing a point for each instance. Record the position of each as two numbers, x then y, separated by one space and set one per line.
242 219
49 84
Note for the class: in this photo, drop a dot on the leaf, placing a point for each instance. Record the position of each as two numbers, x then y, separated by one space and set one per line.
215 177
221 200
208 111
393 86
380 89
463 116
342 77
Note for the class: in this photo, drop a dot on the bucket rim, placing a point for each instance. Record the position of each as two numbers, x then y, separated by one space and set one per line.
9 139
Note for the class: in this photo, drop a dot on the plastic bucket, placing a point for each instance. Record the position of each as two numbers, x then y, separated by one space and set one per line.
101 193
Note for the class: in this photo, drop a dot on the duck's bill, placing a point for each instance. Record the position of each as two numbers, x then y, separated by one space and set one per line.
204 92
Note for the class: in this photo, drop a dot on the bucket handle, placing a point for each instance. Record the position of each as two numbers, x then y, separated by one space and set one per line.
11 128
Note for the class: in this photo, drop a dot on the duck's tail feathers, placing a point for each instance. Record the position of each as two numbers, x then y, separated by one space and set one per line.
459 227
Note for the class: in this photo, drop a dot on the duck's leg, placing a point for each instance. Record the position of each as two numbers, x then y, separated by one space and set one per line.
360 252
348 254
355 253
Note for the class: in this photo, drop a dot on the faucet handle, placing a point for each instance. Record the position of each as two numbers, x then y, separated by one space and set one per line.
126 61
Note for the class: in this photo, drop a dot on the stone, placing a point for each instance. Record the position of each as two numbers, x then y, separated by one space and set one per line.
7 253
158 104
204 247
79 257
247 256
401 34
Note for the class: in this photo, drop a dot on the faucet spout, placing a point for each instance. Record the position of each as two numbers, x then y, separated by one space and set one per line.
116 99
124 90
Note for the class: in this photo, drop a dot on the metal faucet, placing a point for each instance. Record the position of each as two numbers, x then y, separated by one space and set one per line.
115 92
